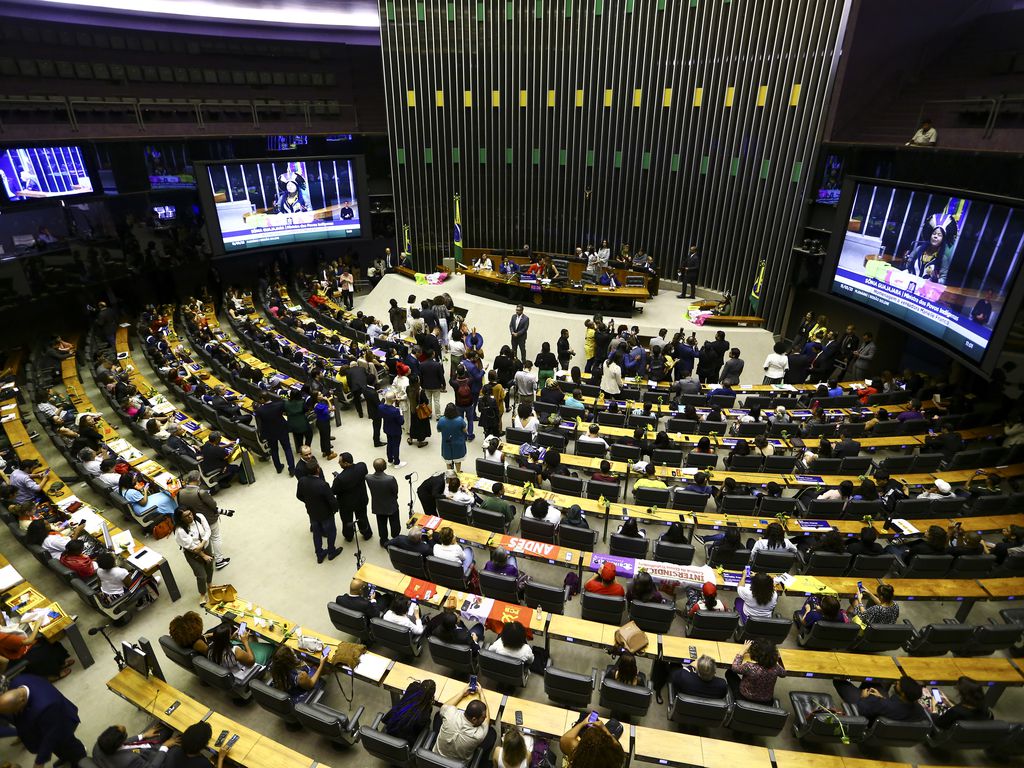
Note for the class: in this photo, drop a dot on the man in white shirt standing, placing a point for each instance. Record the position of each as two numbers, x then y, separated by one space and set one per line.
926 135
526 383
462 732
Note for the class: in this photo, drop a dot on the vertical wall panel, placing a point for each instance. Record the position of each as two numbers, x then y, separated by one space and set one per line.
563 123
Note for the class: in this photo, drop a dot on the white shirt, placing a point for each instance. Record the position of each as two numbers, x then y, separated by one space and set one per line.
523 654
775 366
112 581
456 348
752 608
405 621
110 479
194 535
461 496
484 262
553 515
924 138
55 544
531 423
495 455
92 468
761 545
453 552
595 439
611 381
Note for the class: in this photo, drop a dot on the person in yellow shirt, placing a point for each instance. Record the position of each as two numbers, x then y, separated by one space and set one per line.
589 345
649 480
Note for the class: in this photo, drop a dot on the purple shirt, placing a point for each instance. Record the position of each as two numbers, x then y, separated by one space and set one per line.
909 416
505 570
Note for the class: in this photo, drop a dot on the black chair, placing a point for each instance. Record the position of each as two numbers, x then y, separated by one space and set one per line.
884 732
598 488
520 475
872 566
668 552
447 573
667 457
569 689
492 470
927 567
925 463
751 463
602 608
350 622
570 486
758 719
991 638
590 450
712 428
912 509
713 625
855 465
180 656
776 630
221 678
453 511
630 453
552 440
702 460
548 598
389 749
505 670
625 701
774 561
972 567
409 563
696 711
827 563
751 429
280 703
655 618
515 436
489 520
537 530
606 419
452 656
690 501
969 734
951 507
780 464
339 728
499 586
777 505
731 504
729 560
829 636
939 639
881 638
652 497
576 538
627 546
397 638
813 726
965 460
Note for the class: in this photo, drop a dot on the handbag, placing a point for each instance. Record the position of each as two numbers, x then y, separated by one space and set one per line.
424 411
224 593
163 529
631 637
347 654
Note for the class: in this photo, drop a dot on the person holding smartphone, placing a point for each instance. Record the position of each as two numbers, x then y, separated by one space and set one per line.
290 675
461 731
592 743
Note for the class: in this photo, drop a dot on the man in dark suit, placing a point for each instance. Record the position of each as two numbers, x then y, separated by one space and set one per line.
689 273
321 506
176 441
358 600
307 464
384 500
799 368
392 418
948 442
373 410
43 719
349 488
846 447
226 406
113 748
215 459
412 541
271 424
358 382
518 327
700 680
825 360
432 379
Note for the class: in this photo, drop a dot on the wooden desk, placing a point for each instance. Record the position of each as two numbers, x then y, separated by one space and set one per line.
1006 588
490 284
154 696
669 747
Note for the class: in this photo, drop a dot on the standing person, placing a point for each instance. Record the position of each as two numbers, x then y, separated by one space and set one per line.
194 497
432 379
321 507
526 383
689 273
565 350
272 427
392 420
420 412
348 287
298 422
589 345
849 342
611 376
453 431
373 408
192 535
322 415
43 719
384 501
518 327
358 376
776 364
732 368
349 488
545 363
464 399
861 358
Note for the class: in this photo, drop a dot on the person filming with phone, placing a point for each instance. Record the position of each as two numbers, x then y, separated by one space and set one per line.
461 731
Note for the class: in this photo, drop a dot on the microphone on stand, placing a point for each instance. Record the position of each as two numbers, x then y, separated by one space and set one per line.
97 630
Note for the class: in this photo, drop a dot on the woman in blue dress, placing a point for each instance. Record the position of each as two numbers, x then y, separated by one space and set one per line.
452 429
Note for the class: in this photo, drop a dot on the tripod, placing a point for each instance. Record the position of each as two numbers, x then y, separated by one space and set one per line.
118 658
412 498
356 535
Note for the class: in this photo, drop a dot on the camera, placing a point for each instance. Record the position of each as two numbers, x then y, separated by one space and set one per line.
226 512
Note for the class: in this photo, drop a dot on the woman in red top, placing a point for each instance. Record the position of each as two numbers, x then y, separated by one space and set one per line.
604 583
42 658
74 557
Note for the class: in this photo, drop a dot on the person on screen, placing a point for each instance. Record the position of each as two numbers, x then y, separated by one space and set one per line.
927 258
29 183
289 200
346 211
982 311
926 136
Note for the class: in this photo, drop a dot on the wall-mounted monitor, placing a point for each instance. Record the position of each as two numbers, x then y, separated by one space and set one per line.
262 203
169 166
943 263
33 173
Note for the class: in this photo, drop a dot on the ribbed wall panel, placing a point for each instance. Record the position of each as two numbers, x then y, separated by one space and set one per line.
662 177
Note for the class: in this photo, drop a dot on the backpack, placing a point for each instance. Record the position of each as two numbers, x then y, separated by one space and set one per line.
463 393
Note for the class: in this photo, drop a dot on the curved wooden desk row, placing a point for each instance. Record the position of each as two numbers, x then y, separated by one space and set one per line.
493 285
154 696
667 409
809 480
20 596
711 520
967 591
550 721
194 430
19 438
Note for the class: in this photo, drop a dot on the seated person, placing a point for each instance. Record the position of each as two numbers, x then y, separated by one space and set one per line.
593 437
575 401
447 548
774 540
676 534
624 670
508 267
455 491
644 590
755 670
876 607
358 599
187 632
176 442
604 473
630 529
91 461
462 732
704 599
542 509
972 705
237 659
74 557
699 679
815 609
758 599
502 563
873 700
41 657
604 582
700 485
964 542
866 544
189 752
39 533
293 677
449 628
512 643
215 460
650 479
139 493
574 517
413 541
412 713
608 279
114 748
405 614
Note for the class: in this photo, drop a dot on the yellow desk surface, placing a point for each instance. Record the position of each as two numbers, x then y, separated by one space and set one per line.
1007 587
154 696
51 631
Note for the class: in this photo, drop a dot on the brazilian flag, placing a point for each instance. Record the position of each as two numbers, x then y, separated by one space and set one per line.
755 292
457 232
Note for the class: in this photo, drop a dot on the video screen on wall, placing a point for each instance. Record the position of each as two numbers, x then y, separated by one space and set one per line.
942 263
276 202
30 173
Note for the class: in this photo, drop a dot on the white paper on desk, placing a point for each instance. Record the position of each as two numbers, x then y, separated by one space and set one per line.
119 445
478 610
372 667
93 522
485 485
146 559
162 407
905 526
10 417
164 479
8 407
130 454
124 325
785 579
123 540
63 504
9 577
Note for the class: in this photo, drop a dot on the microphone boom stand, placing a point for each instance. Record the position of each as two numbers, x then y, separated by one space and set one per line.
118 658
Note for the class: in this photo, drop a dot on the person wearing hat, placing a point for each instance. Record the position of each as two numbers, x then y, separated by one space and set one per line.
940 489
400 386
604 582
704 599
575 518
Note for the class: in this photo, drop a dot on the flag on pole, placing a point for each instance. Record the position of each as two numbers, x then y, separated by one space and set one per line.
755 292
406 242
457 232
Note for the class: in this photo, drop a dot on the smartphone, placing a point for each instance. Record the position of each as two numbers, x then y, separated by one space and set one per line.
860 586
220 739
937 695
519 718
173 707
693 652
746 572
326 651
231 741
625 514
592 718
373 592
473 683
242 626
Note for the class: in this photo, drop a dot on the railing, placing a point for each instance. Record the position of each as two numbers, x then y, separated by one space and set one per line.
957 107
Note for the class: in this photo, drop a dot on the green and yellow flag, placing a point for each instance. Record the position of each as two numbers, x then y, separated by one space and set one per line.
457 232
406 241
755 292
